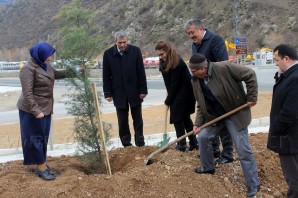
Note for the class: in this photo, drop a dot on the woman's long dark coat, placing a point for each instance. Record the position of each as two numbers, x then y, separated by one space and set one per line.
180 94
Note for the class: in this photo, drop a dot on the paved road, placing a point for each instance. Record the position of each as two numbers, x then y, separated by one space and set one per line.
156 89
156 96
264 75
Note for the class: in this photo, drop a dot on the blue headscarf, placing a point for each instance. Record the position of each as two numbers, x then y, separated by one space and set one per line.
40 52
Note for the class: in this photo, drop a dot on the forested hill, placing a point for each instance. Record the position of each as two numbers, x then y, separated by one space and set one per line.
266 23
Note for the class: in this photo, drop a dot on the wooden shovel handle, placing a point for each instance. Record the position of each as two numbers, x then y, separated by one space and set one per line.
212 122
190 133
166 119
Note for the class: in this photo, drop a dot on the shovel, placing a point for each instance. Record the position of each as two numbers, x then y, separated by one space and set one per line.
148 160
165 139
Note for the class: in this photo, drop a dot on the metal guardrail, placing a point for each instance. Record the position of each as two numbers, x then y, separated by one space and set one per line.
9 66
268 66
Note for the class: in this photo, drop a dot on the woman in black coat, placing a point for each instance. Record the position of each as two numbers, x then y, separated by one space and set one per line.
180 97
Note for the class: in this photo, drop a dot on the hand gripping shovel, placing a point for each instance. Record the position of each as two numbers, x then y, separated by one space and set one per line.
148 159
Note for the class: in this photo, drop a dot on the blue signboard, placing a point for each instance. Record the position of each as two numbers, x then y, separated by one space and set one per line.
241 41
5 2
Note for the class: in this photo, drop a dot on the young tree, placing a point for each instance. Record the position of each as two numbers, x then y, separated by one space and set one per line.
80 42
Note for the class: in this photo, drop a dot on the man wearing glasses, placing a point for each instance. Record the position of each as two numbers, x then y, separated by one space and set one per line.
212 46
218 89
283 136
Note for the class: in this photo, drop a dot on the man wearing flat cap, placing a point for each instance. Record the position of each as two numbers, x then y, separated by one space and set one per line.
218 89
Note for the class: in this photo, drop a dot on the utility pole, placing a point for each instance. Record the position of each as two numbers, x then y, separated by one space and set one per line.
236 18
236 25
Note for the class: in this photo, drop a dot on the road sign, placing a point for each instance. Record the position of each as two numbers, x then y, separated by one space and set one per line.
241 49
269 56
241 41
5 2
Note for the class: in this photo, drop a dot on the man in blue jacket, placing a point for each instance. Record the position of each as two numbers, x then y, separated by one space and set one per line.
212 46
124 83
283 131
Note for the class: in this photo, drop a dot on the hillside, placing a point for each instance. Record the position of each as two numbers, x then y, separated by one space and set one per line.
266 23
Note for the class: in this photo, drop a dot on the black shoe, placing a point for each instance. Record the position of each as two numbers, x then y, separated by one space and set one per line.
127 145
200 170
193 147
181 148
223 160
140 144
216 154
252 191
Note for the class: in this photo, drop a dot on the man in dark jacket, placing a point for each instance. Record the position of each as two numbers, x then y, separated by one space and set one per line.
124 82
283 131
212 46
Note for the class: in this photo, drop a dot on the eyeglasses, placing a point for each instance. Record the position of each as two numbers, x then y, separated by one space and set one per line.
161 54
194 71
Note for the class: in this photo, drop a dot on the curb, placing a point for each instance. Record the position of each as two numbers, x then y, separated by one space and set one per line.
256 126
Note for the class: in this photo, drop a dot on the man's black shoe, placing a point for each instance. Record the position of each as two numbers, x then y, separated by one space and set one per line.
193 147
180 147
216 154
252 191
127 145
140 144
200 170
223 160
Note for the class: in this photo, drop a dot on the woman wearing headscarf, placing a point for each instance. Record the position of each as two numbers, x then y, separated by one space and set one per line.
180 98
36 106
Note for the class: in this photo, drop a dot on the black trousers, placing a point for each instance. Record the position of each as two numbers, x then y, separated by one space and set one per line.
289 166
123 123
182 127
226 142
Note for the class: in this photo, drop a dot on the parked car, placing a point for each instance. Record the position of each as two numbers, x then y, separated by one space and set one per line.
151 62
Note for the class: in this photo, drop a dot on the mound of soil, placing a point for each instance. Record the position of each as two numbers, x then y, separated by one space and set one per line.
170 175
